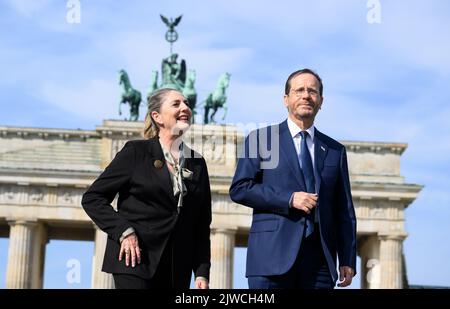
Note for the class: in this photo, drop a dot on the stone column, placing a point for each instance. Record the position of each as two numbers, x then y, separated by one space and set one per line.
40 240
369 250
100 280
19 272
222 253
391 261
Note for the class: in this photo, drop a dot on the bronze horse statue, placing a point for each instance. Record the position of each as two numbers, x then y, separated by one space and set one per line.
129 95
217 99
153 84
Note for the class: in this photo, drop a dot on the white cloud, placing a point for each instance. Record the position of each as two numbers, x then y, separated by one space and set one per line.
292 18
92 100
435 201
415 34
28 8
255 103
419 123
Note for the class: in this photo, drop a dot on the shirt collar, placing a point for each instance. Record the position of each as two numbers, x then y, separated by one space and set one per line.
295 129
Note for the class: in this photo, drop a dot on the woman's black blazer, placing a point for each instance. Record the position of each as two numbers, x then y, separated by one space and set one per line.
146 203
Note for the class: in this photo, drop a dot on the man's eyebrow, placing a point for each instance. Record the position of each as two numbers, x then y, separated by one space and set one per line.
301 87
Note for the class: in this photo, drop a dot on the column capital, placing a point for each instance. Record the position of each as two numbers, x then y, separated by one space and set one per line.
226 229
22 221
397 236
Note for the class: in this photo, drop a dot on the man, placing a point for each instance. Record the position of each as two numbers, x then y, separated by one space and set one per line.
303 215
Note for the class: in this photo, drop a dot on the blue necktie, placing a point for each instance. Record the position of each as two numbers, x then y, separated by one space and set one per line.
308 174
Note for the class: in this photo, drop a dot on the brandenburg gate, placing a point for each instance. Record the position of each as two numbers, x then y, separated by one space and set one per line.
44 173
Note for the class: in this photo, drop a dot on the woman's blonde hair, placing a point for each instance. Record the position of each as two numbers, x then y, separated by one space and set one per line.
154 103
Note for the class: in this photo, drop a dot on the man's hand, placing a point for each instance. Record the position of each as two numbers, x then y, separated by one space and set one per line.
130 247
201 283
304 201
345 276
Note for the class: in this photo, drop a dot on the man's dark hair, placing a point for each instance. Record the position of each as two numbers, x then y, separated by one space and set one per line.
287 87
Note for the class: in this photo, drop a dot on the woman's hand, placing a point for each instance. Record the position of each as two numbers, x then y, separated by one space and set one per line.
201 283
130 247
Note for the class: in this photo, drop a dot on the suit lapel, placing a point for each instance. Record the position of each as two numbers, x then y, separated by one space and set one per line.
320 152
290 154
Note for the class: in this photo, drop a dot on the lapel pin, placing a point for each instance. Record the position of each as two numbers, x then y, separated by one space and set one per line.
158 164
323 148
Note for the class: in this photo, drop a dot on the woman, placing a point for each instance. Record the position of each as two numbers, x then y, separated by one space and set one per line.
160 232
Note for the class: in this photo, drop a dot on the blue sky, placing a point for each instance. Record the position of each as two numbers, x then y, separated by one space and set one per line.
383 81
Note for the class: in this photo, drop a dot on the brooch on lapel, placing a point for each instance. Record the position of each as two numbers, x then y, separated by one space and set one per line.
158 164
186 174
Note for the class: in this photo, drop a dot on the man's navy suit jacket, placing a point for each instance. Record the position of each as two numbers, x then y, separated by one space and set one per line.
277 229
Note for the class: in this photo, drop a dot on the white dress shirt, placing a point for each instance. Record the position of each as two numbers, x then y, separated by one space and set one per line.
297 138
295 133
